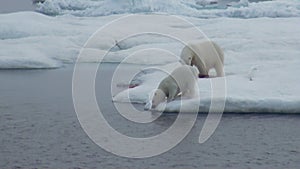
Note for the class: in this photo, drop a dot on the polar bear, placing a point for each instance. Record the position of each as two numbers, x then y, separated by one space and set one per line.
205 55
182 80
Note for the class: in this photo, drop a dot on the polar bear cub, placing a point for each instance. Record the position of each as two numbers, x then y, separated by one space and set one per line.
205 55
182 80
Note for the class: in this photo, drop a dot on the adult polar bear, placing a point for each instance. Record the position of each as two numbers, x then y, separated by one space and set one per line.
182 80
205 55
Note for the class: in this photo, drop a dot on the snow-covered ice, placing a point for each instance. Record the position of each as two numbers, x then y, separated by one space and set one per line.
261 65
194 8
261 52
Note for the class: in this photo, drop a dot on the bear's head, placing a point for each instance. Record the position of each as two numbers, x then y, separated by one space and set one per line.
187 59
186 56
157 97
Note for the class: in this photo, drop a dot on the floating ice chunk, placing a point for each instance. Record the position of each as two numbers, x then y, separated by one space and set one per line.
241 3
206 2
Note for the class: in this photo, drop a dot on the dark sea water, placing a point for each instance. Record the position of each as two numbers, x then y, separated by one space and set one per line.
39 129
8 6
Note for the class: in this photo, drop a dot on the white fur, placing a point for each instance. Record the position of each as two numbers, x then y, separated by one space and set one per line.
205 55
182 80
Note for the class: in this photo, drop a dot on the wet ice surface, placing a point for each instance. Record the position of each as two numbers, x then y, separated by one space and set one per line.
39 128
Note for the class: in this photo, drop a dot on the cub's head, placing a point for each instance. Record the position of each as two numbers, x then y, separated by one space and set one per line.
157 97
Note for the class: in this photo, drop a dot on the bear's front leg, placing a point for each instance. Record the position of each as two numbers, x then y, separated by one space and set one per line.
172 92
